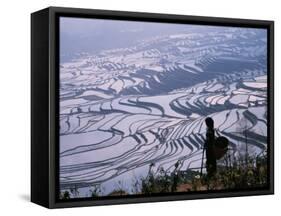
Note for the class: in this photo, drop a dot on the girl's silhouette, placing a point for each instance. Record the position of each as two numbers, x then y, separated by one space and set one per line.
211 163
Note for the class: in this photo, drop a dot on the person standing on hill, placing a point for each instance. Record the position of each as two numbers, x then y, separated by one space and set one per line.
211 163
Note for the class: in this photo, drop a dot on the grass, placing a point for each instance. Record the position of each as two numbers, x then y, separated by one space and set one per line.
242 173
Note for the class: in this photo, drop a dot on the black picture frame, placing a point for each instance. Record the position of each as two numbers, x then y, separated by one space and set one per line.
45 100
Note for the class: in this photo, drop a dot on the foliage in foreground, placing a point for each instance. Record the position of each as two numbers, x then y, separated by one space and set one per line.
240 174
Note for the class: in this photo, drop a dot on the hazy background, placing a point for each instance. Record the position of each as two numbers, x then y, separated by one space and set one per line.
93 35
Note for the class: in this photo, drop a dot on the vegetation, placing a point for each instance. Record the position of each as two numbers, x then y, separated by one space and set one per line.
242 173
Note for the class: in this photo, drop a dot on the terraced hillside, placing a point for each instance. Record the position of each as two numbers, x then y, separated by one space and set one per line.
124 109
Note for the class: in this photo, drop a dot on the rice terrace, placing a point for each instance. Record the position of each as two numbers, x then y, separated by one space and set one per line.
133 109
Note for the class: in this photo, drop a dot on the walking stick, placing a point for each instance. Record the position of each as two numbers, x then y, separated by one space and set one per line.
202 161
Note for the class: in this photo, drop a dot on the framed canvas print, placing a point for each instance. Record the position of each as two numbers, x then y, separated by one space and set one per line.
138 107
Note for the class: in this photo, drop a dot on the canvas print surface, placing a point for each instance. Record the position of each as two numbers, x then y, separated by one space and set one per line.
151 108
